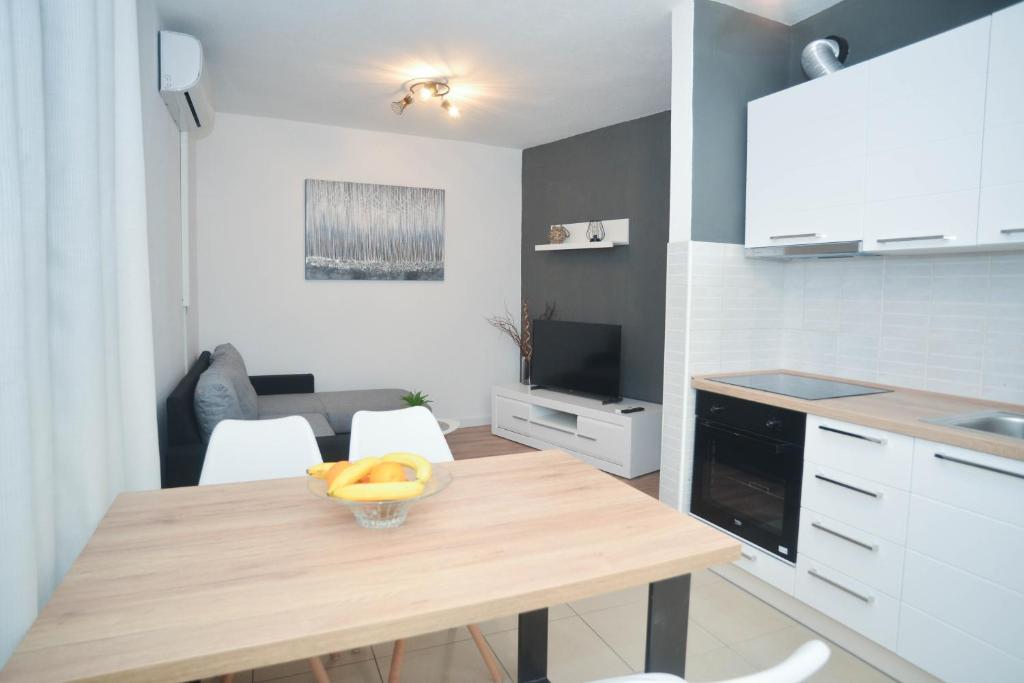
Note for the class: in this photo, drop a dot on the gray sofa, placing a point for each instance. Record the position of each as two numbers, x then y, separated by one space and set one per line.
218 387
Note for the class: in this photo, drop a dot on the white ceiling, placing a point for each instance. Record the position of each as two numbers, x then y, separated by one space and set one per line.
523 72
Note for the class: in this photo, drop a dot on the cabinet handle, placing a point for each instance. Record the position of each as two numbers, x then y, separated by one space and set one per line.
791 237
748 556
950 458
588 438
884 240
1011 231
862 544
873 494
880 442
835 584
557 429
516 417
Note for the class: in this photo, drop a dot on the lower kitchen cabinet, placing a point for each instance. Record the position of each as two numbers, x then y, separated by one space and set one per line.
767 567
870 558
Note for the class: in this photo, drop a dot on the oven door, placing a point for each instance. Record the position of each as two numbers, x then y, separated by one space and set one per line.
748 485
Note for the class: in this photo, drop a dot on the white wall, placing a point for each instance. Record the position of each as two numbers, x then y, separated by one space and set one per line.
428 336
163 214
681 177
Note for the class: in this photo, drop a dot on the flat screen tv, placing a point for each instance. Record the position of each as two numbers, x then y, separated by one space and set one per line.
577 357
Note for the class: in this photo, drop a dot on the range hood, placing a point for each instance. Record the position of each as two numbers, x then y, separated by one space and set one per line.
818 250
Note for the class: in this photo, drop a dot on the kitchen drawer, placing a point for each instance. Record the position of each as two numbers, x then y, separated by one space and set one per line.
511 414
983 546
850 602
870 453
951 654
864 504
986 611
868 558
554 435
602 440
970 481
767 567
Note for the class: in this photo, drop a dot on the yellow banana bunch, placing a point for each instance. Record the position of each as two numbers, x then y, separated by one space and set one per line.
396 490
417 462
320 471
351 474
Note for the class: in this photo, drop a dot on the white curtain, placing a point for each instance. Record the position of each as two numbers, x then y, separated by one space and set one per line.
77 397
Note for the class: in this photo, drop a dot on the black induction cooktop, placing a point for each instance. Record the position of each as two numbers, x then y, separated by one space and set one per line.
798 386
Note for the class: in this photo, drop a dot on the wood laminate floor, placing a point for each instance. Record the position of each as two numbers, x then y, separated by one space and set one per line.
478 442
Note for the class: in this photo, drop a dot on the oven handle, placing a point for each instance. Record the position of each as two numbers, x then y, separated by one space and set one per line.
777 448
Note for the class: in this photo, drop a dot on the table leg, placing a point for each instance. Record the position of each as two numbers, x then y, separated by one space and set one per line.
533 647
668 613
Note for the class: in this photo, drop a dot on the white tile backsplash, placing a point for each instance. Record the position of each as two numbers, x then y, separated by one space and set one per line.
949 323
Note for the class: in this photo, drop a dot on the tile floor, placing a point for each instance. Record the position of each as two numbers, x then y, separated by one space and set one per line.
731 634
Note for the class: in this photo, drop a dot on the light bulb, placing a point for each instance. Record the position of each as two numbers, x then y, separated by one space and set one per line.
426 91
452 109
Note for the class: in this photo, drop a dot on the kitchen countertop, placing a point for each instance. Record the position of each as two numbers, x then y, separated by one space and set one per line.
901 411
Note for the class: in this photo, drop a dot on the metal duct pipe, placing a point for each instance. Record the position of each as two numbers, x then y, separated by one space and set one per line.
824 56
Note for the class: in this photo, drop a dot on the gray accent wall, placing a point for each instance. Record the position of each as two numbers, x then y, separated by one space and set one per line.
737 57
875 27
621 171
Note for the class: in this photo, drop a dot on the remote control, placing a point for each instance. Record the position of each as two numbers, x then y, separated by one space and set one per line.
634 409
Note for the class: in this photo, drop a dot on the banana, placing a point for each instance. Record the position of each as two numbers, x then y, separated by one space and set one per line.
320 471
416 462
396 490
351 474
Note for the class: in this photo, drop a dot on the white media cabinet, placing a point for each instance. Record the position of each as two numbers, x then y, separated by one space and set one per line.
627 445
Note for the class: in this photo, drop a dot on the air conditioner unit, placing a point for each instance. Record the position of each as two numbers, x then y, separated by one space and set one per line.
181 82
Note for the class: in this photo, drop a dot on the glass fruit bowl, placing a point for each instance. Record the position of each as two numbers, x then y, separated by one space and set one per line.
385 514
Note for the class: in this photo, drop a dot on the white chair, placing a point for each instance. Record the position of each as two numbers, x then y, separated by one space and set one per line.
410 429
414 430
806 661
253 450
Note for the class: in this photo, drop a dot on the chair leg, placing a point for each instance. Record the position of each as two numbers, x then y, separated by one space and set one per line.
397 655
319 672
486 653
227 678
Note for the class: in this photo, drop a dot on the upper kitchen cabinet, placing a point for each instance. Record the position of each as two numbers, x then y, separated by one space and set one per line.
805 162
1001 212
925 122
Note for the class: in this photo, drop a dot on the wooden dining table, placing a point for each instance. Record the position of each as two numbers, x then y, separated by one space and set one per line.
186 583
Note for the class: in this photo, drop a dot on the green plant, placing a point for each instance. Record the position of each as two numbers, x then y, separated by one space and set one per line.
417 398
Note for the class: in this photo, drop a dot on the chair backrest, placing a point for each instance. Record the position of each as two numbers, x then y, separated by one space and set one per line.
414 430
806 661
250 450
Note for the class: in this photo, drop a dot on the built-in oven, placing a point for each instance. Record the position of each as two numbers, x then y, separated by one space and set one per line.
748 460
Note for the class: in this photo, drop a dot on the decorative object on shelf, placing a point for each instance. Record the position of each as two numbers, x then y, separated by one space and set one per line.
557 234
361 231
595 231
424 90
824 56
417 398
521 333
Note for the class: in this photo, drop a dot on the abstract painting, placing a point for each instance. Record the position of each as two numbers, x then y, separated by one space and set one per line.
360 231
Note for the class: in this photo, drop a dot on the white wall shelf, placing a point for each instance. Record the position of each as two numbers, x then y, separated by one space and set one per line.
616 234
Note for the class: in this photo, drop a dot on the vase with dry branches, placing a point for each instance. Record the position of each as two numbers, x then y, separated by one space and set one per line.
521 333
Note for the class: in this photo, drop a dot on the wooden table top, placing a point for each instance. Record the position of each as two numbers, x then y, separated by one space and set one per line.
194 582
901 410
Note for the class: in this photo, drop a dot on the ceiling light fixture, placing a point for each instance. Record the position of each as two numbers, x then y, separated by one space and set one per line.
425 90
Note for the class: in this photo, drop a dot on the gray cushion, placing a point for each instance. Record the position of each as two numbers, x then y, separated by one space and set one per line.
215 400
319 423
340 406
281 405
227 358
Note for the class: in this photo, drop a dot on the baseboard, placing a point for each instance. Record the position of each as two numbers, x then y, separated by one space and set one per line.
881 658
472 421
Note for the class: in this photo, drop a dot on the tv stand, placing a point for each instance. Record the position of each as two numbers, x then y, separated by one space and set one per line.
615 399
627 445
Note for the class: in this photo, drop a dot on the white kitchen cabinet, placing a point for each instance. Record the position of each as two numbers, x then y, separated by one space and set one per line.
805 162
767 567
863 451
878 509
870 559
1001 211
925 119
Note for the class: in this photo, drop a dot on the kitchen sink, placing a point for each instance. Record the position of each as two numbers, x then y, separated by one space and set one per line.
992 421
